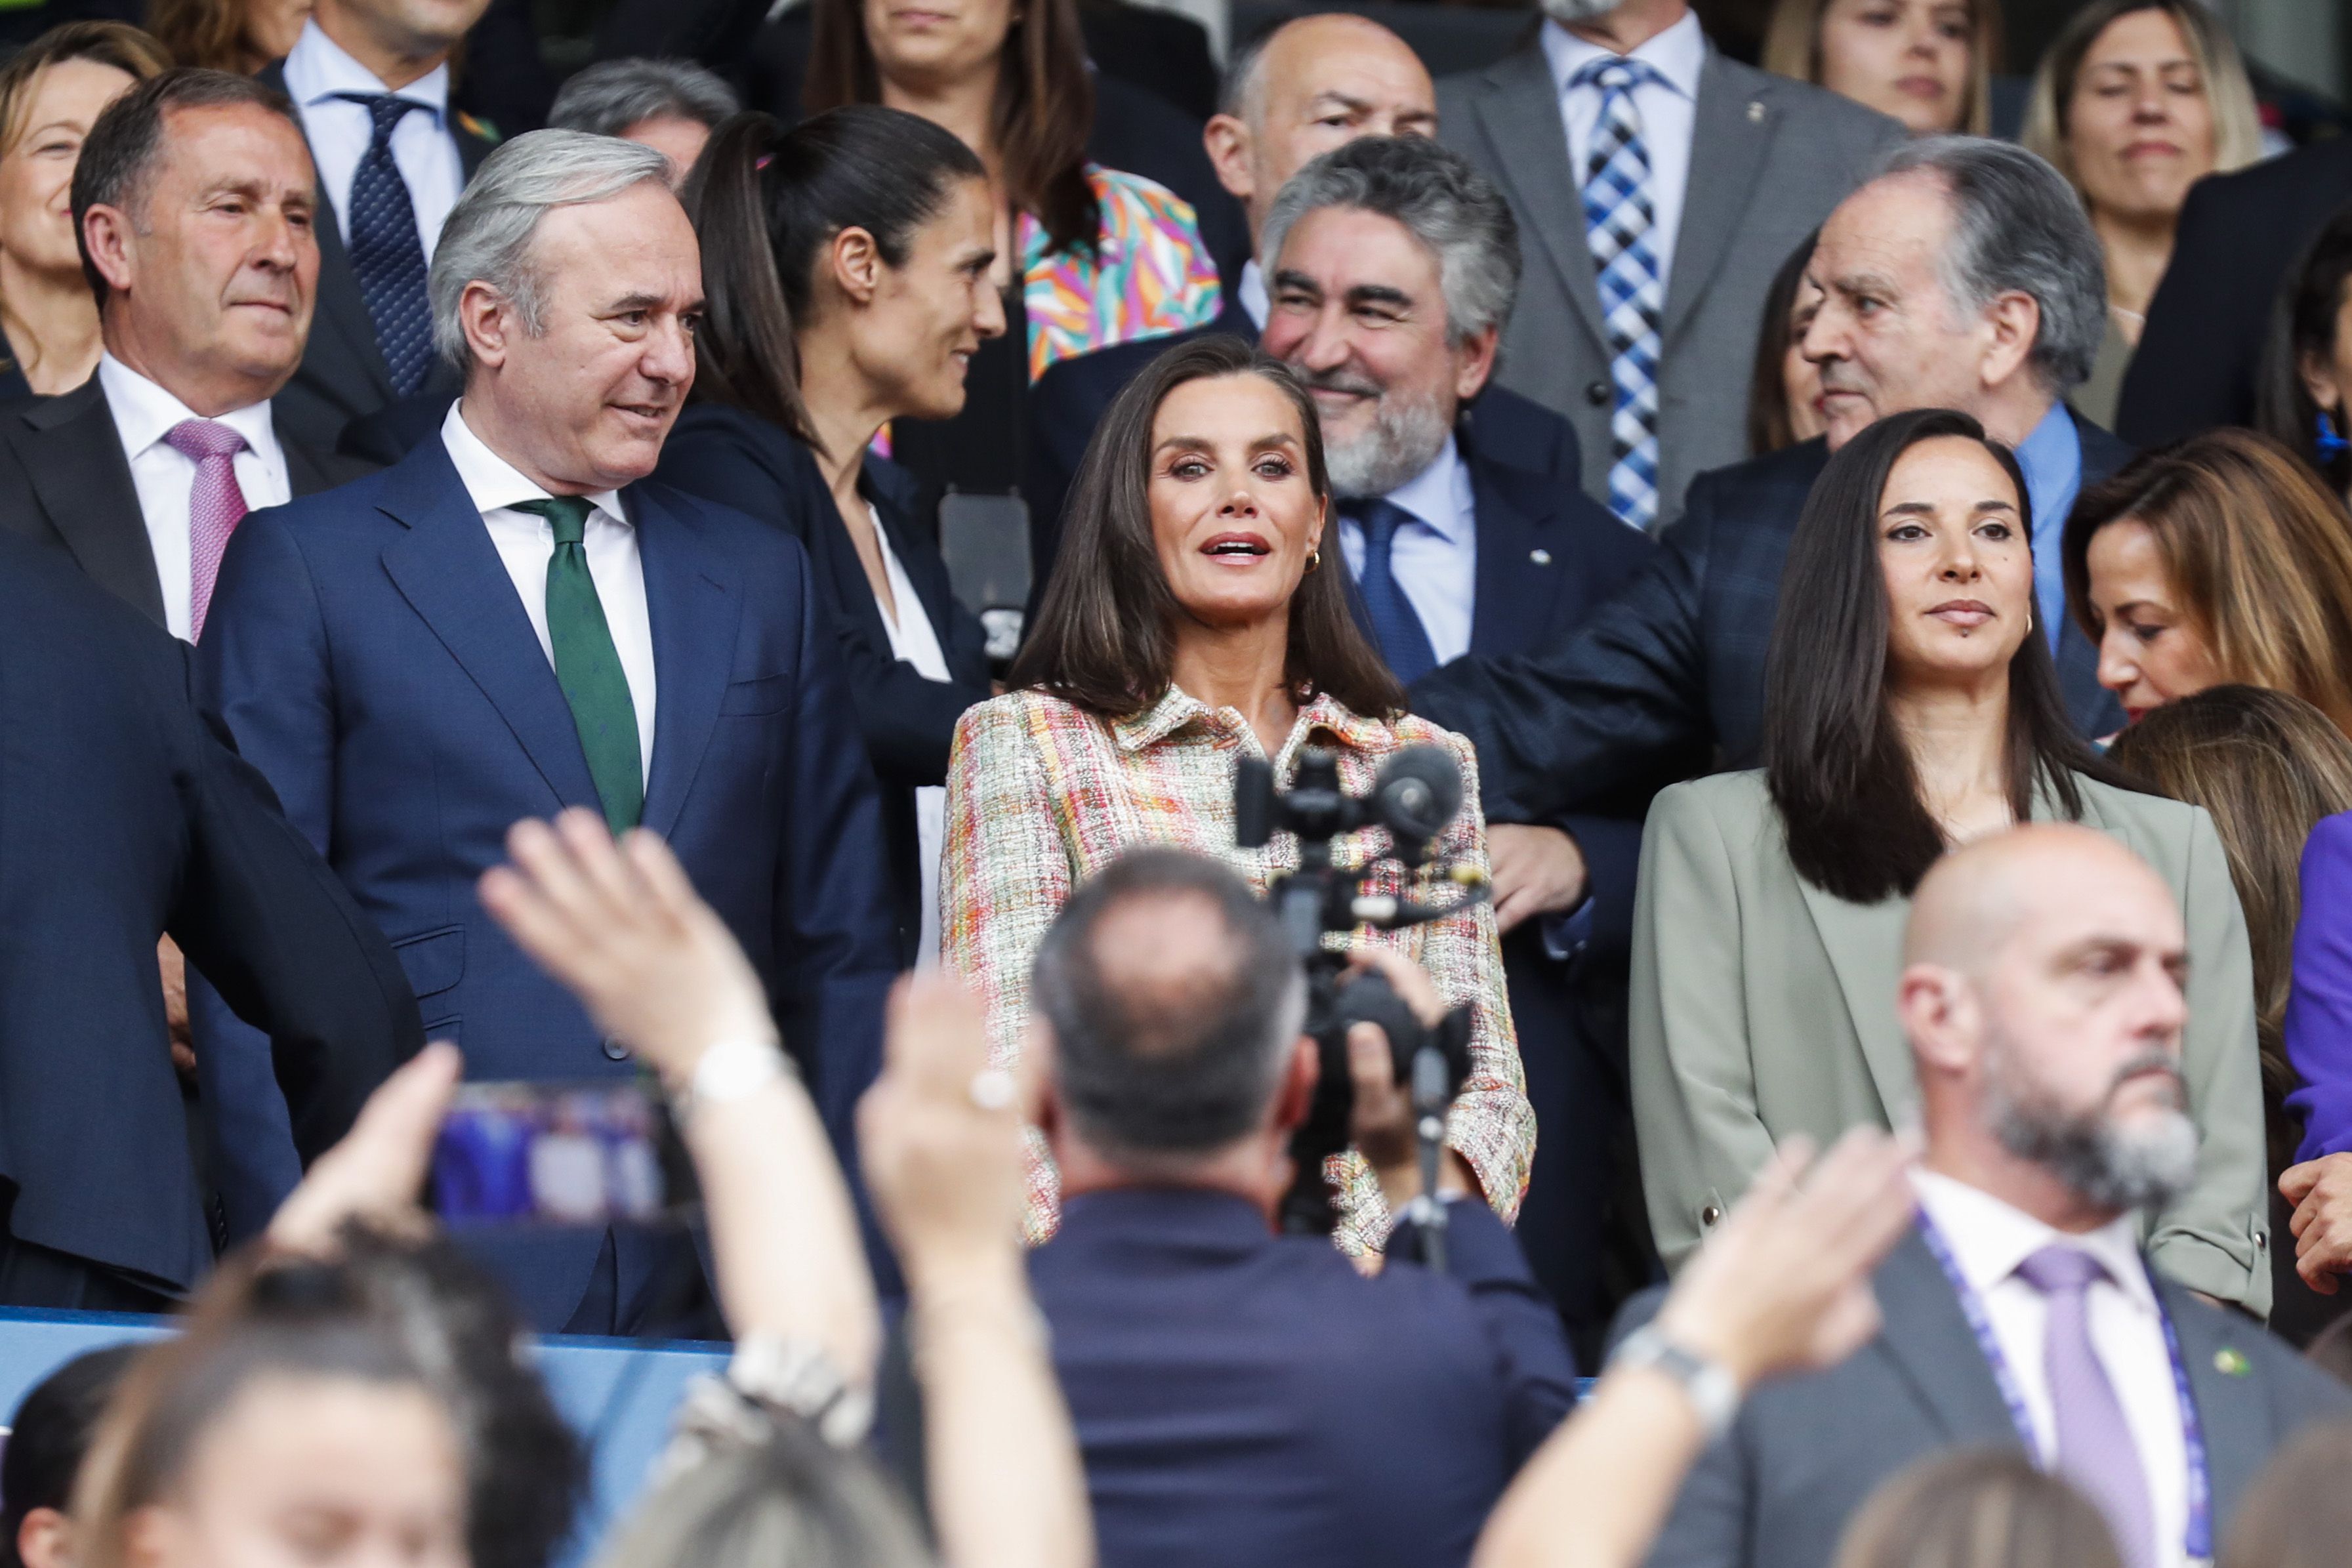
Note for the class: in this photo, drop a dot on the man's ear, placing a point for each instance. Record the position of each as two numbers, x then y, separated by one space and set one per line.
1296 1095
488 320
1475 362
1229 145
1940 1017
2015 320
106 234
1033 1075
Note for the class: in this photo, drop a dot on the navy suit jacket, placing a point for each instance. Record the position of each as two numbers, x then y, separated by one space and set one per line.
370 652
126 818
737 459
1245 1399
1667 681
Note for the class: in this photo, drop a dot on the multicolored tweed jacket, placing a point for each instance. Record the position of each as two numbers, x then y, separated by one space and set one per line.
1150 276
1041 794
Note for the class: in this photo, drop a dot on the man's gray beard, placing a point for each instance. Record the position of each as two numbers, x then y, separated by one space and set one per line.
1579 10
2107 1164
1404 438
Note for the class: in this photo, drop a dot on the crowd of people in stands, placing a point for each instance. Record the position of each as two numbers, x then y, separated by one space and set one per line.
1255 763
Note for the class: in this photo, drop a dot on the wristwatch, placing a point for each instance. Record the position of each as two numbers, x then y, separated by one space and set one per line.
728 1069
1713 1391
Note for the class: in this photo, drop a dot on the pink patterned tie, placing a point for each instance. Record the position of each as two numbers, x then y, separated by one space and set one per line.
215 506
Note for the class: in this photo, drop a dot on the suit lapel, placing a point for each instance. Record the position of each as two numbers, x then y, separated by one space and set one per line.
73 455
1519 105
2232 1408
1515 590
305 475
450 572
1728 142
1927 1336
695 613
1864 943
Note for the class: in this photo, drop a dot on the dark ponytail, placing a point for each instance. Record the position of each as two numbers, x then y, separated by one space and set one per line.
765 201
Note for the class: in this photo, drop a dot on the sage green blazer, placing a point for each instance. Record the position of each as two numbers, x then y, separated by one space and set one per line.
1764 1006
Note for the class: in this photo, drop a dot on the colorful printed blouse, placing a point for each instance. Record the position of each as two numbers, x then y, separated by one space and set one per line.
1150 276
1041 794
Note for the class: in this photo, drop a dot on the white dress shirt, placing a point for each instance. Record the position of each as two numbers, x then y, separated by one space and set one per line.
340 131
1434 558
143 411
1251 294
1668 116
914 640
1989 1239
526 543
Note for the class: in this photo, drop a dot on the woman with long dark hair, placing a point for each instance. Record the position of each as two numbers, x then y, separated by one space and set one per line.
2304 397
844 268
1909 707
1195 616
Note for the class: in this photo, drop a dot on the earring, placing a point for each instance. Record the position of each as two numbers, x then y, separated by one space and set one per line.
2331 445
1314 557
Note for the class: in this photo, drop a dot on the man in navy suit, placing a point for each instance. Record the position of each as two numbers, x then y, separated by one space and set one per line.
1394 265
1243 1397
1964 276
509 622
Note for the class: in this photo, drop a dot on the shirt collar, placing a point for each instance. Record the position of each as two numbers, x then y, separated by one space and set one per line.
1987 1238
491 482
1251 292
1677 54
1437 496
317 69
144 412
1177 709
2052 456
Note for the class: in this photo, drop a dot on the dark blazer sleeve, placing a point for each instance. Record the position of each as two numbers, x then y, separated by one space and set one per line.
1538 1369
1610 714
277 936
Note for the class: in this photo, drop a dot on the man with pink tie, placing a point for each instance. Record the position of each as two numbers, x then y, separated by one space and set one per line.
193 201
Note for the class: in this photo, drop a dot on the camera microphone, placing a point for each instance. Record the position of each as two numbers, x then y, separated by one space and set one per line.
1417 794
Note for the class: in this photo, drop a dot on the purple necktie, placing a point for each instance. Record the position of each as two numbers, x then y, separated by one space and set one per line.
2095 1450
215 506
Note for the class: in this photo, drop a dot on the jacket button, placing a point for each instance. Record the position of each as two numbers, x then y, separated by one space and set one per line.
614 1050
1597 393
1710 1216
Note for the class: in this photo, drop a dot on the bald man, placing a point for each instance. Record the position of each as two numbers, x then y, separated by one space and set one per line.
2041 995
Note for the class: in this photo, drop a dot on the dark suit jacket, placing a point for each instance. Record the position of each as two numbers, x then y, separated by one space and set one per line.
343 374
734 458
2198 363
1671 675
65 482
1769 159
1805 1453
370 654
1247 1399
127 818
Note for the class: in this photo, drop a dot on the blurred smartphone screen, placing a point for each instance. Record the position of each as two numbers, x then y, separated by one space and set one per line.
596 1153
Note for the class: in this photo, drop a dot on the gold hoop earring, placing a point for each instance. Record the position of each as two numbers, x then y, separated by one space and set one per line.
1314 557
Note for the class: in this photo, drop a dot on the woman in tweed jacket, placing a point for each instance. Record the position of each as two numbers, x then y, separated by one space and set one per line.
1191 621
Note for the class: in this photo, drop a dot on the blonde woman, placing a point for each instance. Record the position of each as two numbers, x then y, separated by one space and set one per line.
1928 63
2136 101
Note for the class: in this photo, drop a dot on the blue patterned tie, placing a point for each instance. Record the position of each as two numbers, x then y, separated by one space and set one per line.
385 250
1618 224
1404 642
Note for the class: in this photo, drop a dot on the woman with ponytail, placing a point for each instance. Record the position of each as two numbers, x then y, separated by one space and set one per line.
846 269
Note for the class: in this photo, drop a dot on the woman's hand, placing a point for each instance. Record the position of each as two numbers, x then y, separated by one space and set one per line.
1783 1283
2321 1192
620 927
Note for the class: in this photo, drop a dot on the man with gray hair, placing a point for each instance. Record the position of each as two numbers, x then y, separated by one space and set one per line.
2041 997
1963 275
1392 266
512 620
671 105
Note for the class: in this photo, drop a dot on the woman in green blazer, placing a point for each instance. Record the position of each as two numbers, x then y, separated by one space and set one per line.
1910 706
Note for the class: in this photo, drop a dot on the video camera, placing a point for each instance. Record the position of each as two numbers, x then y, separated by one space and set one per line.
1415 796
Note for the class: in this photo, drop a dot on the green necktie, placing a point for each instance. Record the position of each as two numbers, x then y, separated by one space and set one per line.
587 667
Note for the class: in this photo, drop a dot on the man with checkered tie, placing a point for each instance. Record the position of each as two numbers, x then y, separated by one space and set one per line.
1659 186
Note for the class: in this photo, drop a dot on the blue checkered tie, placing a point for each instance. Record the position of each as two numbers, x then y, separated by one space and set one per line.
1618 224
1404 641
385 250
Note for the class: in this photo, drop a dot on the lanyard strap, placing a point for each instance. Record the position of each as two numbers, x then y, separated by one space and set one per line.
2192 1430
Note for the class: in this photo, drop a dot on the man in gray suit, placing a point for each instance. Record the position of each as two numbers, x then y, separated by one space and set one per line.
2041 994
1663 186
